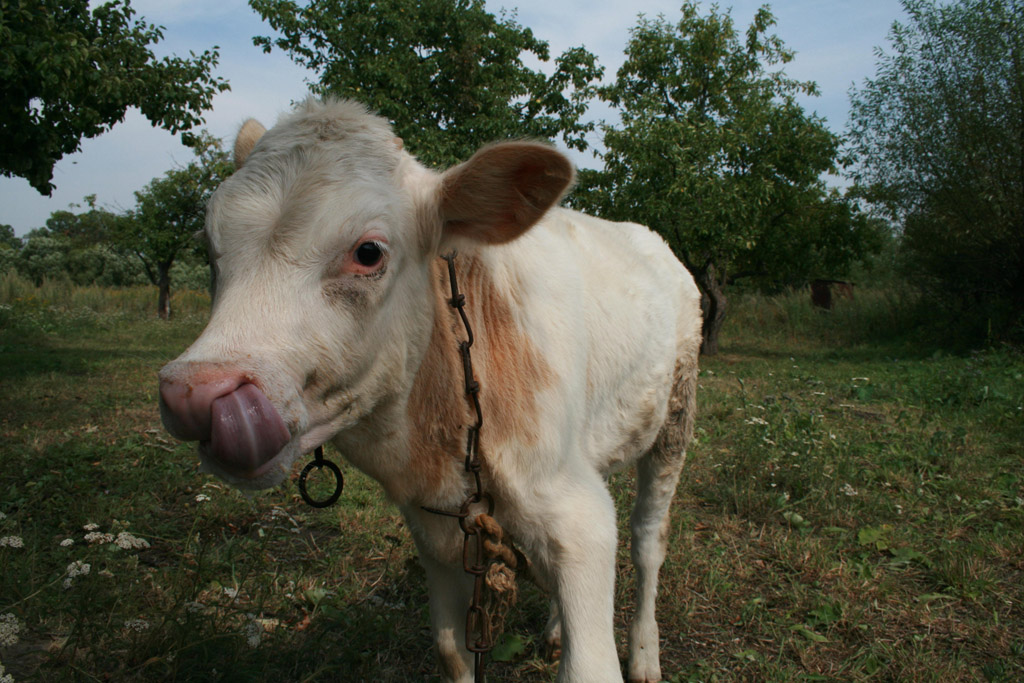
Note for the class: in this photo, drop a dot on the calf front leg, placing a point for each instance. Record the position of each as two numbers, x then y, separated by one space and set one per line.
451 591
577 549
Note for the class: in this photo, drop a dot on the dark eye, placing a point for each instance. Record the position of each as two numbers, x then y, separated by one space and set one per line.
369 254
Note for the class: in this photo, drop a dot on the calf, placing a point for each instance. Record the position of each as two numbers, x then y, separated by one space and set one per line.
331 322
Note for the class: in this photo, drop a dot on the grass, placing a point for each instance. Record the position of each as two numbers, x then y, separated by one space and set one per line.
851 510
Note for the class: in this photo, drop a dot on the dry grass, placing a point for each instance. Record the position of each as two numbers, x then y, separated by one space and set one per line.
851 511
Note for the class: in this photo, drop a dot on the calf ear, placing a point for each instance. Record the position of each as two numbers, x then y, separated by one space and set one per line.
248 135
503 190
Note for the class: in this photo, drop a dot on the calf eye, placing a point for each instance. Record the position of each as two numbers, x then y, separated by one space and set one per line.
369 254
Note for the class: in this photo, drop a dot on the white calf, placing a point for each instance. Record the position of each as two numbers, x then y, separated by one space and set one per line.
331 322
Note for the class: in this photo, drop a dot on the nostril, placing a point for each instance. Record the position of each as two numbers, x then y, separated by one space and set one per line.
186 404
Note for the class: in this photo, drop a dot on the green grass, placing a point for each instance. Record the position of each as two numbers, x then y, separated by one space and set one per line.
852 510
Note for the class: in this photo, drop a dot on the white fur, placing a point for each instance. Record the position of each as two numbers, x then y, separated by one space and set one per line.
606 306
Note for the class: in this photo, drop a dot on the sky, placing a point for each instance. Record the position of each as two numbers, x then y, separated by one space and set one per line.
834 41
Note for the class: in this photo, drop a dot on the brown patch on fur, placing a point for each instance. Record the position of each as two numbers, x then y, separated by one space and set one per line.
505 362
507 365
677 429
450 662
437 415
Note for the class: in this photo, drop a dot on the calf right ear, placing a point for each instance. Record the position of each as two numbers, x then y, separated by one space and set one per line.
503 190
249 134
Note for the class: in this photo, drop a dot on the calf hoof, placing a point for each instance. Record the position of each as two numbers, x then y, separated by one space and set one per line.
553 648
644 672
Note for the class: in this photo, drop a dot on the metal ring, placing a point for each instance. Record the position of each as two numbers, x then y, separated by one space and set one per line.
338 478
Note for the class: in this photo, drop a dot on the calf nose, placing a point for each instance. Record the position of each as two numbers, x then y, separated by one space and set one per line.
186 405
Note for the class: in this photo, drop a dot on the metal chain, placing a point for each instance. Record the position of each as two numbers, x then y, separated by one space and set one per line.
479 639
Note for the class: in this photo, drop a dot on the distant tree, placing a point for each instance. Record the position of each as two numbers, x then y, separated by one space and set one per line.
713 151
939 134
67 73
77 247
447 73
8 240
169 212
43 257
93 226
821 237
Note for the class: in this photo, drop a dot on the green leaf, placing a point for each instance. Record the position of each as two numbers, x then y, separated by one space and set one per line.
808 634
509 647
874 536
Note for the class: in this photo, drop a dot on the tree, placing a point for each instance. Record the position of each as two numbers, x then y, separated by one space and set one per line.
448 74
713 152
939 134
67 73
8 240
76 247
169 212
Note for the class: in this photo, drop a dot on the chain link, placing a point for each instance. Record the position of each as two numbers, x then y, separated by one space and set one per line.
475 562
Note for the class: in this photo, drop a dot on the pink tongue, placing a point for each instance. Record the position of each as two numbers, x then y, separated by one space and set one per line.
247 431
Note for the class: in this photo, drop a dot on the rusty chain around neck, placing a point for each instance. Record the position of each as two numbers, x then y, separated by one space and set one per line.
479 639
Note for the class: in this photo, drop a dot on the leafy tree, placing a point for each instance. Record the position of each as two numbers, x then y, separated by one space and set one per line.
68 73
77 247
168 213
43 257
822 237
448 74
939 134
8 240
713 151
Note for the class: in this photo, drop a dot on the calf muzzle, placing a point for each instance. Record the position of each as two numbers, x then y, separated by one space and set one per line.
235 423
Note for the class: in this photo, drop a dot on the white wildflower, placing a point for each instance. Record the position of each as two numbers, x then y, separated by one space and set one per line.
10 627
202 498
137 625
194 607
126 541
91 527
11 542
253 632
78 568
848 490
67 542
74 570
96 537
756 421
231 592
899 509
5 678
2 516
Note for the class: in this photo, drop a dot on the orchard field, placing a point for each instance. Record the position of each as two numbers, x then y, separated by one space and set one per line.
852 509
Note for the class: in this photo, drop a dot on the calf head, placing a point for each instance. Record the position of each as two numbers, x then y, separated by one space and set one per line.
321 245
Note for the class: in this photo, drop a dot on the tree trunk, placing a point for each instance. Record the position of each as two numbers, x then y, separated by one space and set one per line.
713 303
163 306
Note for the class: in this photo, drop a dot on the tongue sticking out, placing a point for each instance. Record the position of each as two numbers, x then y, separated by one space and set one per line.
247 431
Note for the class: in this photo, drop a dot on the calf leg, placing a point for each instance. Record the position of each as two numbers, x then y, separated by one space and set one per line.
451 591
553 634
649 526
657 477
576 546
